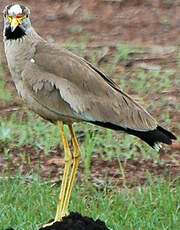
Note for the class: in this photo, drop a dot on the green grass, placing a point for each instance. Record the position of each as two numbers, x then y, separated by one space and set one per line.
27 203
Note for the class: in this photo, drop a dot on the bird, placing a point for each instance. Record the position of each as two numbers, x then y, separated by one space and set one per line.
64 88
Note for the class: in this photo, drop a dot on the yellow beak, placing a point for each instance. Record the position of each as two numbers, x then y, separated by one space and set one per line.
14 22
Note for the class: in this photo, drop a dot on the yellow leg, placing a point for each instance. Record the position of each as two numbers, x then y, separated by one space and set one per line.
68 162
68 180
76 159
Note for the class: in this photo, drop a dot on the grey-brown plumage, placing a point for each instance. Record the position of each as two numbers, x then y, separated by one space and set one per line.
59 85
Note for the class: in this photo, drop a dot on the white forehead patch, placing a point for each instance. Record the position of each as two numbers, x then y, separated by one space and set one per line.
15 10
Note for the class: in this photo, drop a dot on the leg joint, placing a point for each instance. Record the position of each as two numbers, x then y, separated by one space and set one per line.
68 157
77 153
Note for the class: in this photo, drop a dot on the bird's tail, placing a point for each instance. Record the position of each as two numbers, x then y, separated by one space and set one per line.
152 137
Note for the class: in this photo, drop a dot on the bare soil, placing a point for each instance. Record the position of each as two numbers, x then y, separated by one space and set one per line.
106 23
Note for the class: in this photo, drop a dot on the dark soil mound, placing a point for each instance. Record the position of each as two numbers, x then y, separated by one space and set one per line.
76 221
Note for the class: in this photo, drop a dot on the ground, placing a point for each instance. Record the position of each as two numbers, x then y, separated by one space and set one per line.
98 27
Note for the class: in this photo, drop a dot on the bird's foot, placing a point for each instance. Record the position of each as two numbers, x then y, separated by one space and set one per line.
57 219
49 224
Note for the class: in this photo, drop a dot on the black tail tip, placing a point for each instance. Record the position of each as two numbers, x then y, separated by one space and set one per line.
170 135
157 136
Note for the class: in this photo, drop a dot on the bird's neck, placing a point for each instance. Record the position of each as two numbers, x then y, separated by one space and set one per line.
20 50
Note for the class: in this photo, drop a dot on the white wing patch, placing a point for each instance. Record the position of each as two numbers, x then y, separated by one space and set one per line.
32 60
15 10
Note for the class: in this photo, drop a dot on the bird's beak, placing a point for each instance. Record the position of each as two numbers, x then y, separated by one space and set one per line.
14 22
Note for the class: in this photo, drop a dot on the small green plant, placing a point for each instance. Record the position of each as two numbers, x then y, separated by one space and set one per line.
76 29
77 49
165 21
169 3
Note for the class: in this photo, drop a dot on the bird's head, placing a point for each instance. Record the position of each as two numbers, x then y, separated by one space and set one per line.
16 21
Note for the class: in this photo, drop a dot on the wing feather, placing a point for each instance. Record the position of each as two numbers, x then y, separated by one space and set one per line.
88 92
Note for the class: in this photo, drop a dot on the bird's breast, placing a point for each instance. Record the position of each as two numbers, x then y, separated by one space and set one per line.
17 54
